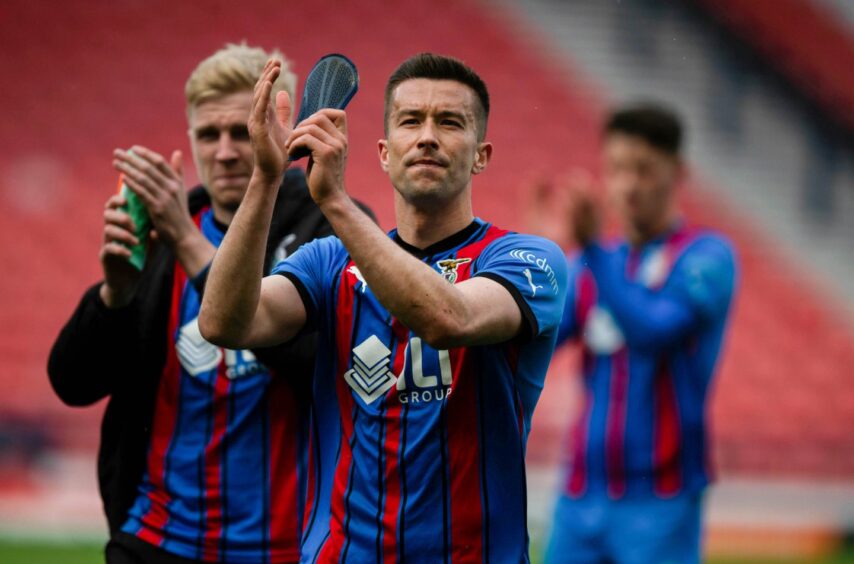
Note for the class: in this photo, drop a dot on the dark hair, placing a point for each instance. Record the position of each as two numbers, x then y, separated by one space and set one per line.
657 125
438 67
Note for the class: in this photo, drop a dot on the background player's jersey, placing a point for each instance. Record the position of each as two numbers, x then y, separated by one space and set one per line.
651 321
224 479
431 463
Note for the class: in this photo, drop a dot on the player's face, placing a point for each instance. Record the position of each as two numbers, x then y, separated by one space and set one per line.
221 149
640 180
432 148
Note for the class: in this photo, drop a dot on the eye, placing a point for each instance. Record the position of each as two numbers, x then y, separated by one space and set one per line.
409 121
207 135
453 123
240 133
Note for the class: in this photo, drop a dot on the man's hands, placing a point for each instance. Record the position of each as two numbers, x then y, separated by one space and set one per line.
120 276
270 127
324 134
566 212
160 187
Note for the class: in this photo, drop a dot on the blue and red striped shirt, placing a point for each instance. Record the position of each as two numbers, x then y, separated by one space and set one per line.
225 477
429 464
650 321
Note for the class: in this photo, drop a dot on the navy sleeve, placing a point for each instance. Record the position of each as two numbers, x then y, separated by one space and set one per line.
699 291
533 270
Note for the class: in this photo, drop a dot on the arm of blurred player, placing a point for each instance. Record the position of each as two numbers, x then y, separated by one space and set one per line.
651 319
240 308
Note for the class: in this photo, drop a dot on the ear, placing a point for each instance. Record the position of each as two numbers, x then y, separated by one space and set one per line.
482 157
382 148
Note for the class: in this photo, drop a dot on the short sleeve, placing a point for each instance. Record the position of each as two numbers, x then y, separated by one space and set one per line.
534 271
705 277
312 270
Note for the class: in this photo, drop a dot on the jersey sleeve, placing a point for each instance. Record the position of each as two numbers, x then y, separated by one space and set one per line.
534 271
706 276
311 269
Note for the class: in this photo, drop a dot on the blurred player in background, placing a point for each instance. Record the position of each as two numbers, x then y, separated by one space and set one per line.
435 338
650 312
202 449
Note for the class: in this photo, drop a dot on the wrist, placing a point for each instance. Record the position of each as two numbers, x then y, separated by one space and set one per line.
266 180
336 204
113 298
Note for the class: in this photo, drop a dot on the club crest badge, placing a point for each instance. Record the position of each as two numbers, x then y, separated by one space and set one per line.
448 267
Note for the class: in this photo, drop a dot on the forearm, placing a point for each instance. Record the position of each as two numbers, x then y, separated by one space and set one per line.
194 252
415 294
92 346
233 287
647 319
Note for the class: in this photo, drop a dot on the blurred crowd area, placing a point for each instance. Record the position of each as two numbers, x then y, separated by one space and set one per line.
770 121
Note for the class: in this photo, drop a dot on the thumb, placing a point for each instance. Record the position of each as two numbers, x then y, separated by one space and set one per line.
283 109
177 163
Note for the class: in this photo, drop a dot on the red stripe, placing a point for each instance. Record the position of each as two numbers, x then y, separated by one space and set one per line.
615 431
391 448
311 483
213 467
668 478
586 296
284 416
331 550
473 251
163 424
577 482
464 461
464 440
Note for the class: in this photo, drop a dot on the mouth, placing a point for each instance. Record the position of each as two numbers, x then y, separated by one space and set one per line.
232 177
427 162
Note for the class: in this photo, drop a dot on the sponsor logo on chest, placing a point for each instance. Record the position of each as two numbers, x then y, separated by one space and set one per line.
371 376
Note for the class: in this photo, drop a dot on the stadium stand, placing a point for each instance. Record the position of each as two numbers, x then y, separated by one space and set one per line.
104 75
803 41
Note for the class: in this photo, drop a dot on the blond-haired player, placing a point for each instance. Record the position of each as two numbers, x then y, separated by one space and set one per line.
202 452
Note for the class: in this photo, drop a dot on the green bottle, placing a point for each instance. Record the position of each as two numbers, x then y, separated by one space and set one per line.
139 214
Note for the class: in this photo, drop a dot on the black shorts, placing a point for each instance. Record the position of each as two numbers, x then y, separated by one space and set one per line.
125 548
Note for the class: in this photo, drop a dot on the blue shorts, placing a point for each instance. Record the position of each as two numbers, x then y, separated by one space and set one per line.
644 531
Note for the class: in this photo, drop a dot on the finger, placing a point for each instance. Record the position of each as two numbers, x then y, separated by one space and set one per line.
261 97
145 194
283 108
115 201
115 250
113 233
337 117
141 170
120 219
329 119
308 142
155 160
261 102
315 131
315 140
177 164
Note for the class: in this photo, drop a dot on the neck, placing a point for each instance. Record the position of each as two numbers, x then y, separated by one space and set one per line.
421 227
222 215
639 235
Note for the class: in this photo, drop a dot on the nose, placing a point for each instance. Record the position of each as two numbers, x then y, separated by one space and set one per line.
225 150
427 136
